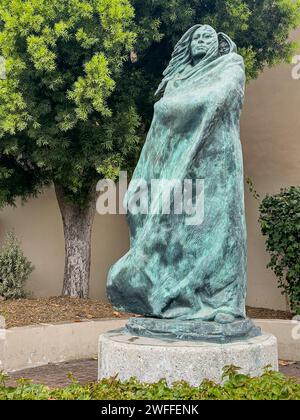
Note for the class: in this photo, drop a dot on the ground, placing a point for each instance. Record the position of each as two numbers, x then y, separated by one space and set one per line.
23 312
57 375
262 313
85 371
18 313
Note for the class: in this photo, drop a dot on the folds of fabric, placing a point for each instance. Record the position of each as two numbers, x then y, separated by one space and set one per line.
173 269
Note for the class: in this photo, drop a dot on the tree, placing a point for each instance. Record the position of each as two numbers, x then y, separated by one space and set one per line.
56 119
260 28
73 109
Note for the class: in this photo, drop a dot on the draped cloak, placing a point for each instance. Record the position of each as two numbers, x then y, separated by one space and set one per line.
179 271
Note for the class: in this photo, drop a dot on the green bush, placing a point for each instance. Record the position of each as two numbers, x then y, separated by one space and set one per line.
14 269
280 223
270 386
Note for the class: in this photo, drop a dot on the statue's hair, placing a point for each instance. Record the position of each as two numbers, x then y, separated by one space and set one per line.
181 55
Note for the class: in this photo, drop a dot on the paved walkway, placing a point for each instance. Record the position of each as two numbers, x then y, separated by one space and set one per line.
85 371
292 370
56 375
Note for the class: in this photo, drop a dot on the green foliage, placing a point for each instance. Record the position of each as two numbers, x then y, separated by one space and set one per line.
252 189
260 28
58 121
270 386
15 269
280 223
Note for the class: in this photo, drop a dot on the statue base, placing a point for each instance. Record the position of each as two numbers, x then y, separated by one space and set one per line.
195 330
149 359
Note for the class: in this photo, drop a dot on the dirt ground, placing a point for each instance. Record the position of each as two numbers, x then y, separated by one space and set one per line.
262 313
23 312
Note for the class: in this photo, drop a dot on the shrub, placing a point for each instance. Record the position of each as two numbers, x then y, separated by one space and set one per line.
280 223
270 386
14 269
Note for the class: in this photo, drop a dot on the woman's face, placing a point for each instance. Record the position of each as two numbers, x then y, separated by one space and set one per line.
202 40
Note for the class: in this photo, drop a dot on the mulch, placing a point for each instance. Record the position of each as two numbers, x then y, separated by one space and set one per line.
24 312
262 313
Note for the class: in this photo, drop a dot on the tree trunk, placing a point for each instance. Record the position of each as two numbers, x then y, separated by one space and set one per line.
77 223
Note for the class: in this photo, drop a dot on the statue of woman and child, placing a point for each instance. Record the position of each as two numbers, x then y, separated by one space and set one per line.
189 281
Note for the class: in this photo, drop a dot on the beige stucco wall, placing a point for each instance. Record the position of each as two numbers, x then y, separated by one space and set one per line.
270 133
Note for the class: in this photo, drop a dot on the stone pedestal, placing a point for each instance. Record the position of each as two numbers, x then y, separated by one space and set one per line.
150 360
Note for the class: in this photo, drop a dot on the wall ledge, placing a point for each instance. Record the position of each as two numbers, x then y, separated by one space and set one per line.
37 345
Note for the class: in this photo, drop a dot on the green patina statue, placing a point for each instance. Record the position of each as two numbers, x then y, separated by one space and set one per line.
188 280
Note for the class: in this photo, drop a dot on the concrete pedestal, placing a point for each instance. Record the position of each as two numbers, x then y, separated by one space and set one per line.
150 360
